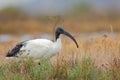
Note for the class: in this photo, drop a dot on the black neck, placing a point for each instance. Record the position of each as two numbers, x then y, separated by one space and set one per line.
57 35
58 32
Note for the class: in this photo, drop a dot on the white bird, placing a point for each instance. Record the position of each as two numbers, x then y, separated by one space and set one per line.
40 48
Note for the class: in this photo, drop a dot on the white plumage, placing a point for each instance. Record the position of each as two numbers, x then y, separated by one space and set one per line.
40 48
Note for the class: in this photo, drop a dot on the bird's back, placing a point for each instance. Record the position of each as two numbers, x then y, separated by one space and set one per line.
37 48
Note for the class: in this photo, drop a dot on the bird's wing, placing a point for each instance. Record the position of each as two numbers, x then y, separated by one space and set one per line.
37 48
15 50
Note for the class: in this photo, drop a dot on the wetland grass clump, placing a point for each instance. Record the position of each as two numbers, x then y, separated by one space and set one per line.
28 70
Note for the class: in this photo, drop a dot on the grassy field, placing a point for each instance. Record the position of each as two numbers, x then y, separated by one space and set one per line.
97 58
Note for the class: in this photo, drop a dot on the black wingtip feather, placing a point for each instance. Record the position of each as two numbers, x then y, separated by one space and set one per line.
14 51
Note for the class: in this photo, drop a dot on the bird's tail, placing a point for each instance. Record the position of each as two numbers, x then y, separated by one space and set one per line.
9 58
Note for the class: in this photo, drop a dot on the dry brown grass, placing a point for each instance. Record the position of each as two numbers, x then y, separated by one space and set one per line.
73 25
104 51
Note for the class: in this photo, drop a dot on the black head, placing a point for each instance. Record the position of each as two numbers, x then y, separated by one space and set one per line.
58 32
62 31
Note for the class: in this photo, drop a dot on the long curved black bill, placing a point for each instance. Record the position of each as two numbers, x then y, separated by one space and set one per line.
71 37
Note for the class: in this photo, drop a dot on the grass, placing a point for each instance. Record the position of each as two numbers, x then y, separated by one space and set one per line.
28 70
98 58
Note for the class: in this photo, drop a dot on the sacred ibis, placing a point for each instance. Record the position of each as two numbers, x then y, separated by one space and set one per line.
40 48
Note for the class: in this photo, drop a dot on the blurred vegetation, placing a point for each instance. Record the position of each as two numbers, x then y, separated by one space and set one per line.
11 14
28 70
82 9
82 19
